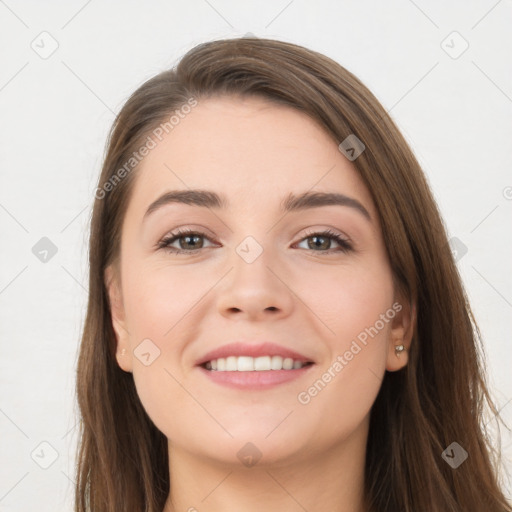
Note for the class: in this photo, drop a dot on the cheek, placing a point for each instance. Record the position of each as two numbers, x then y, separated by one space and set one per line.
348 299
162 305
355 308
165 305
159 299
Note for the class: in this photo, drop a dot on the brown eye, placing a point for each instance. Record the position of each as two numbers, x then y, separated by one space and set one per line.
322 242
189 241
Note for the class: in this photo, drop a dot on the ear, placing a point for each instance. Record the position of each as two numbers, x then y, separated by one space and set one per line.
124 353
402 330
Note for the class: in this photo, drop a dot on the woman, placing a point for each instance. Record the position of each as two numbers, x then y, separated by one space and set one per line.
275 319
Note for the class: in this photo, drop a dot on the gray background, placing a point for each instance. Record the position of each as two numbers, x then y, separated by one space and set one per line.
453 104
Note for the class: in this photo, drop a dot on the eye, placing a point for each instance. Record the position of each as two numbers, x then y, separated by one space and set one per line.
323 240
191 241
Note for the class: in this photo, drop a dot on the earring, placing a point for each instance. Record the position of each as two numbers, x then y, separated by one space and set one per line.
399 349
123 352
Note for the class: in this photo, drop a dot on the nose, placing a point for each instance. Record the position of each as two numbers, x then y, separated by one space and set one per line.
256 289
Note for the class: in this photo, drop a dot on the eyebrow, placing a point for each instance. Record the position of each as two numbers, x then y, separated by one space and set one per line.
291 203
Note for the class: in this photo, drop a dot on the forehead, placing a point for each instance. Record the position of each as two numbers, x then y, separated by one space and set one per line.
253 150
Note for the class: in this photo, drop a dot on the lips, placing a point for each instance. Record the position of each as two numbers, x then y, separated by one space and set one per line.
218 366
239 349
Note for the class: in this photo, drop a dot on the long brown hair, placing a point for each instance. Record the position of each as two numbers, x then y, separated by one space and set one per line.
437 399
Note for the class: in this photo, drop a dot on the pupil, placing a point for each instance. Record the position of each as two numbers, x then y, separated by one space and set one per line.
189 237
324 245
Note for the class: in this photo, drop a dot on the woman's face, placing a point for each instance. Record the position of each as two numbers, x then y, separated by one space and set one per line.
255 270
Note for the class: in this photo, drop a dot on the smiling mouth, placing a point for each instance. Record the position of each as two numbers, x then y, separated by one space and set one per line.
254 364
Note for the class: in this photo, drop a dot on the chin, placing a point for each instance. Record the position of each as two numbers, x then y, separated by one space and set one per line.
252 446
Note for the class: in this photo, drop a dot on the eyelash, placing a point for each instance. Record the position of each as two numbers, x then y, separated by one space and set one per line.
345 245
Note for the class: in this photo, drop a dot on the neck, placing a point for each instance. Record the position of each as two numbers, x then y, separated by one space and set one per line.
332 480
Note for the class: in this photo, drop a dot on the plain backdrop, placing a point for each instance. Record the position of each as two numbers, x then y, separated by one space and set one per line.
442 69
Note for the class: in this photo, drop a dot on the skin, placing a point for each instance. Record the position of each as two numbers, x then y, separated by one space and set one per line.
316 301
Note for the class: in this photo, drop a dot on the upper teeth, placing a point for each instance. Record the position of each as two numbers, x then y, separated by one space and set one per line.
249 364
